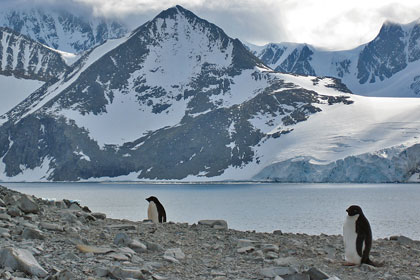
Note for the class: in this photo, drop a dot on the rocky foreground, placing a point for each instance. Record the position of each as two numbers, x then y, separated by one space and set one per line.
61 240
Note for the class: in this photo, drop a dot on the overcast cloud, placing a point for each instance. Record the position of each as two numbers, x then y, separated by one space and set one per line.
332 24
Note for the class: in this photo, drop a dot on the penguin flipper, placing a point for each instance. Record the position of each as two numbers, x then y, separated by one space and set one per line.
359 244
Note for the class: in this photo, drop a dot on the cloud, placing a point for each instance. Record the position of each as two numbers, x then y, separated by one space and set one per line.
329 23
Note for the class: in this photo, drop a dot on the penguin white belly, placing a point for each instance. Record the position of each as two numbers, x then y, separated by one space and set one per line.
152 212
350 236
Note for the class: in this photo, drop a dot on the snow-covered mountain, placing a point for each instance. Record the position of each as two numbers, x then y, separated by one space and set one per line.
387 66
61 29
24 66
176 98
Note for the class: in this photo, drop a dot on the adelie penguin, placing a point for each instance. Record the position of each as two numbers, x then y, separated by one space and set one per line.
156 212
357 236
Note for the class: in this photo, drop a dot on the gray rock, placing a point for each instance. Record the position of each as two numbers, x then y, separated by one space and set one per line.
154 247
27 204
122 239
403 240
51 227
175 253
5 217
100 216
22 260
317 274
10 199
30 233
137 246
124 273
60 204
247 249
270 248
118 256
333 278
121 227
280 271
101 272
14 211
64 275
2 204
217 224
298 276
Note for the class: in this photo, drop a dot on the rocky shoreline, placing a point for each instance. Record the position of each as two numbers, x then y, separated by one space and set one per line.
61 240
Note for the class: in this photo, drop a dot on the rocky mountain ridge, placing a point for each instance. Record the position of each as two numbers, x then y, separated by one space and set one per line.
22 57
60 28
190 90
386 66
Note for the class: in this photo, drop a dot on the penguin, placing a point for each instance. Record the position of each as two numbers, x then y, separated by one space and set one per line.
156 212
357 236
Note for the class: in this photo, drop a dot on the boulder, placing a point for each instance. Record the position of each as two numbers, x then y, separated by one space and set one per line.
216 224
317 274
51 227
282 271
122 239
27 204
30 233
21 260
124 273
175 253
100 216
2 204
137 246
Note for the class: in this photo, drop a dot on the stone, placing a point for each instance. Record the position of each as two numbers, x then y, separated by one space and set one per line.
317 274
21 260
121 227
93 249
122 239
64 275
298 276
137 246
27 204
14 211
175 253
247 249
124 273
403 240
51 227
30 233
280 271
101 272
277 232
217 224
5 217
269 248
100 216
2 203
154 247
118 257
333 278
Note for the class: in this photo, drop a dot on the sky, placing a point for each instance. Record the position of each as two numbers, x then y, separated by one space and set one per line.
329 24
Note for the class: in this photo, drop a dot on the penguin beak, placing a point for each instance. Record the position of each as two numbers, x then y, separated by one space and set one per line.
347 210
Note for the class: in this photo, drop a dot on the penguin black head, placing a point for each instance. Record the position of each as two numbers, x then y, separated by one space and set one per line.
152 198
354 210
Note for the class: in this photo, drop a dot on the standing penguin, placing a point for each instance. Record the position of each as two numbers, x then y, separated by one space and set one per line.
357 237
156 212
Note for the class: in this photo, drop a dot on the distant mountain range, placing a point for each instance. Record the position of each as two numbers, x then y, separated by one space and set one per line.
387 66
61 29
178 99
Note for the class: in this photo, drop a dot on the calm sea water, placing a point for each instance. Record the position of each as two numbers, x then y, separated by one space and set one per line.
392 209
